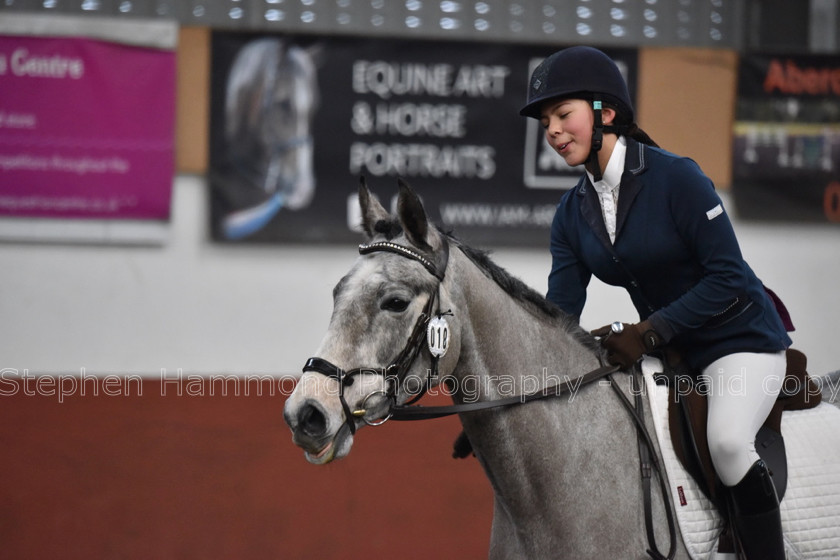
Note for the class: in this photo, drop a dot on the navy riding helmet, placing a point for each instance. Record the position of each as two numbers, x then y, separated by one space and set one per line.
578 72
581 73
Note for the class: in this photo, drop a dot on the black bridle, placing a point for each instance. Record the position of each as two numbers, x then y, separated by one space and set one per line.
396 372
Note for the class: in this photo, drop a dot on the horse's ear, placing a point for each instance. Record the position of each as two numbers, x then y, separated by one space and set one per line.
413 217
372 211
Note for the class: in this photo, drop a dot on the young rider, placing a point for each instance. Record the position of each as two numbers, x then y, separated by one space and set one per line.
651 222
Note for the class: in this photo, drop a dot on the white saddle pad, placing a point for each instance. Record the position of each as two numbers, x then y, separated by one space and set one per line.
811 506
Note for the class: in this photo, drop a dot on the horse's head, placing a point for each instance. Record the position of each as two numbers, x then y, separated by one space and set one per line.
272 94
387 340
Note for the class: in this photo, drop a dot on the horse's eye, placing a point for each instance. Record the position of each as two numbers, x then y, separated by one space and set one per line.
394 304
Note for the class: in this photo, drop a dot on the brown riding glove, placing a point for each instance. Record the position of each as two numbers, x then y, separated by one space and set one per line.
625 343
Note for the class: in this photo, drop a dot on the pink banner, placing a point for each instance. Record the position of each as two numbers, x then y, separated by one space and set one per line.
86 129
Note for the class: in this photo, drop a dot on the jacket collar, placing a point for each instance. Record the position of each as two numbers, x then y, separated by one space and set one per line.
634 165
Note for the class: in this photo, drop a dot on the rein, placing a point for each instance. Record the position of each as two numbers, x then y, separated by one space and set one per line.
417 412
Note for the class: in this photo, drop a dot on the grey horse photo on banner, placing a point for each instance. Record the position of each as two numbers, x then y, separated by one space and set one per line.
270 97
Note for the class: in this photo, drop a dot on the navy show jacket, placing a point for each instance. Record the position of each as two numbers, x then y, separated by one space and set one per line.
676 254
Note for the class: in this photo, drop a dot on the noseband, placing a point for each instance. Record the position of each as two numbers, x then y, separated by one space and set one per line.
396 372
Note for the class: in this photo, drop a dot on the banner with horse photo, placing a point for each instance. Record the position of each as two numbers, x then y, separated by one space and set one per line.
296 121
786 148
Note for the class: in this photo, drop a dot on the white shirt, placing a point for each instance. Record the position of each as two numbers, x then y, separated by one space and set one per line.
607 187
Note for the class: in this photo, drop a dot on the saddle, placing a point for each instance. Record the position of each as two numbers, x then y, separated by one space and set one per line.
687 409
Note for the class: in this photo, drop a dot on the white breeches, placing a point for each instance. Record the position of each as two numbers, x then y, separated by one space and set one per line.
742 389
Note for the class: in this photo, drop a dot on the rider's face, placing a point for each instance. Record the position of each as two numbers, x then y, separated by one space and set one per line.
568 127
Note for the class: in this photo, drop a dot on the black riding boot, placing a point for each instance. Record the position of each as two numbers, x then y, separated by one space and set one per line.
758 523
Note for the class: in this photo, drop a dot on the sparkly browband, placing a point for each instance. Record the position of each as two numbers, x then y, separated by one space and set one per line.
401 250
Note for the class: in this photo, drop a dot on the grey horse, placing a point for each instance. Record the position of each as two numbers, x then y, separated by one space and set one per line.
565 470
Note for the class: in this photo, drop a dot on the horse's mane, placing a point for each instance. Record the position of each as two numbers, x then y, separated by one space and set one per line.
513 286
518 290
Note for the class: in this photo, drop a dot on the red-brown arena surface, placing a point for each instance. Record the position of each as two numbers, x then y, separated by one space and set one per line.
162 475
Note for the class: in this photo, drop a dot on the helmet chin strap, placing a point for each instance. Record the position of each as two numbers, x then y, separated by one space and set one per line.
597 140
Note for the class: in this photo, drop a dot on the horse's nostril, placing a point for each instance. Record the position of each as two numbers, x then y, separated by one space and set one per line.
312 421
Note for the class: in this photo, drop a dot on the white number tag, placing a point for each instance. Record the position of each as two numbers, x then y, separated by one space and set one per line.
437 336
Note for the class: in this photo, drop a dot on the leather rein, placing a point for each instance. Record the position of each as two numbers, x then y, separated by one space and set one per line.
396 372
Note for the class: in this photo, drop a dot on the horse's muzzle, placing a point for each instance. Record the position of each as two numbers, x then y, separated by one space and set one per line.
310 420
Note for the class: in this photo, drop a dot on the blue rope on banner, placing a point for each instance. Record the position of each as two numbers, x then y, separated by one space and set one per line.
246 222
